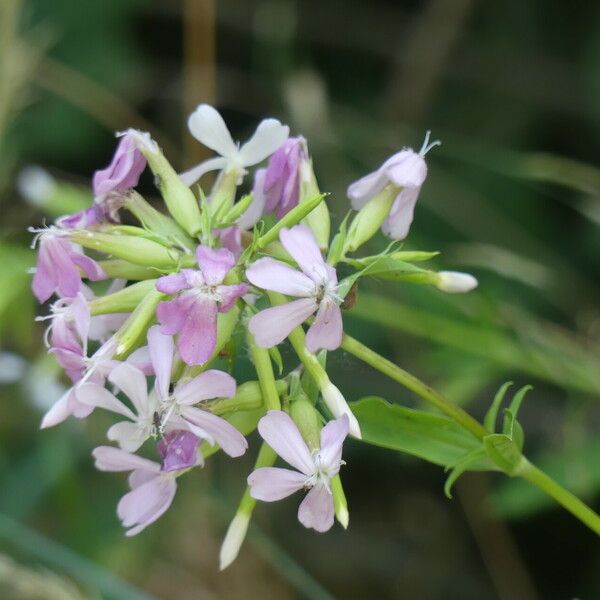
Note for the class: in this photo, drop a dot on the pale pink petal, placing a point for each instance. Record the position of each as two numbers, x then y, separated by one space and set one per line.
114 459
132 382
146 503
300 243
406 169
271 274
229 294
271 483
231 238
214 263
89 266
44 280
327 330
255 211
398 223
198 335
316 510
231 441
207 385
192 175
68 279
172 284
57 413
272 325
81 317
269 135
361 191
96 396
282 434
172 314
124 170
332 440
141 360
77 408
140 477
130 436
161 349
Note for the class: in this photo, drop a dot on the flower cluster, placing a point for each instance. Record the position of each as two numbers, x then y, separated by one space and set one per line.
148 342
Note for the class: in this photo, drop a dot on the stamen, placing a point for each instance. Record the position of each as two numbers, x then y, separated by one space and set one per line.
426 147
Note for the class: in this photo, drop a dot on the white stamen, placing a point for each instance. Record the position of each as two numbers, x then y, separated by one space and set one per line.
426 147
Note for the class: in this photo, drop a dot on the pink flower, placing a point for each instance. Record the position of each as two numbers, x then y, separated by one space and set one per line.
407 171
231 238
152 489
315 285
162 410
58 264
125 169
200 295
314 471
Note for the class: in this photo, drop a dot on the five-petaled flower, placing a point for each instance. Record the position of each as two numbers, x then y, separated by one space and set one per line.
200 295
314 470
315 285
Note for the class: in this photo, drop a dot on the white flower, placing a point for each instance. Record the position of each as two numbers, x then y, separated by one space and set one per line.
208 127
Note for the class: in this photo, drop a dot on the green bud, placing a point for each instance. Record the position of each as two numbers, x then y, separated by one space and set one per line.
306 418
132 331
178 197
222 196
340 504
248 396
122 269
124 300
155 221
137 250
370 218
318 219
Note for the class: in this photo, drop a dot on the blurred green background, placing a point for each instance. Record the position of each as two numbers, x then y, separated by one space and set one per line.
513 90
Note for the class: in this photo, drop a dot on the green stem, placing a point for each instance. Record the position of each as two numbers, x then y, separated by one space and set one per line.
266 377
412 383
565 498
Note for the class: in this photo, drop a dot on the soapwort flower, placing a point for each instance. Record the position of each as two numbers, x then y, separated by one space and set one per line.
314 470
161 410
315 285
208 127
199 296
405 171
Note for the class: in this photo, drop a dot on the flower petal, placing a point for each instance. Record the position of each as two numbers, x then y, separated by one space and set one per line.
332 440
231 441
44 279
132 382
406 169
208 127
361 191
255 211
89 266
300 243
68 279
130 436
96 396
198 335
192 175
272 325
229 294
161 349
172 284
316 510
272 483
171 314
57 413
214 263
146 503
282 434
269 135
271 274
401 216
327 330
114 459
207 385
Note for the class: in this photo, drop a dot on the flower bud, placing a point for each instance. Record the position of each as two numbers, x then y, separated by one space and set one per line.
370 218
340 504
122 269
338 406
234 538
318 219
222 196
137 250
123 301
178 197
305 416
453 282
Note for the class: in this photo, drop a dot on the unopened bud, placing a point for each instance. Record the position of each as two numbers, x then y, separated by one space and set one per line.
123 301
222 196
340 504
234 538
453 282
338 406
306 418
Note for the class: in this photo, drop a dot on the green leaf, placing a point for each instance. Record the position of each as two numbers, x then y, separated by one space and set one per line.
489 422
432 437
470 460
